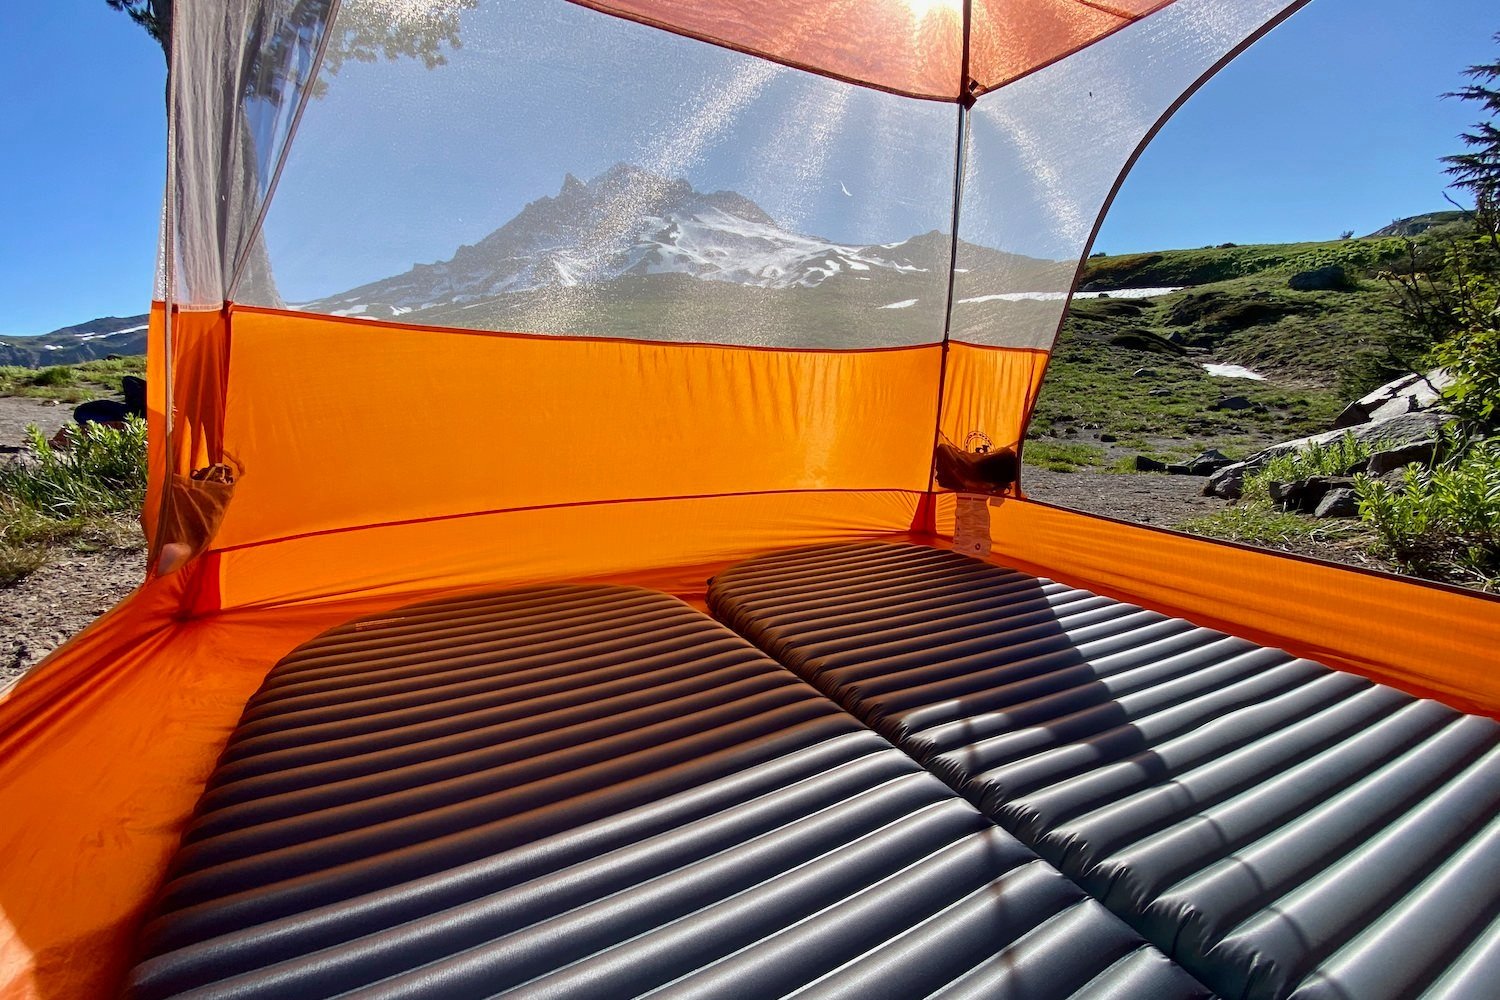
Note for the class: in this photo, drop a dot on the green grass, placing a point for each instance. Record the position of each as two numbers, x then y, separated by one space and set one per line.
84 497
1260 522
1063 456
70 383
1173 268
1441 523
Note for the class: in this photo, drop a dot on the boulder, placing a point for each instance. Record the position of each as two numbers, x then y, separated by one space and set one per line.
1144 373
1207 462
1332 278
1342 502
1228 482
1422 453
1145 464
1422 427
1289 495
1233 403
1407 394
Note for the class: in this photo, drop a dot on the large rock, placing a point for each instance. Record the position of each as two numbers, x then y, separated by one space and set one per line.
1422 453
1228 482
1307 495
1408 394
1423 427
1341 502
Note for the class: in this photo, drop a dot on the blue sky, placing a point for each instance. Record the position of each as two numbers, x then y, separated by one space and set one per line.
1331 123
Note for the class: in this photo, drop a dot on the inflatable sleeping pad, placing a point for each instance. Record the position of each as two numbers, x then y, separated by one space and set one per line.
1278 827
599 792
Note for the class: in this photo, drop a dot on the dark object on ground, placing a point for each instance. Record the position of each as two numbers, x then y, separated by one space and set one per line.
617 795
1208 462
1422 453
1228 482
1232 403
1332 278
1340 502
1274 824
114 411
1144 463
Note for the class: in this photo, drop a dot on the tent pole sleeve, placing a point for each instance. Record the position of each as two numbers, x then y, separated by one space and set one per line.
960 155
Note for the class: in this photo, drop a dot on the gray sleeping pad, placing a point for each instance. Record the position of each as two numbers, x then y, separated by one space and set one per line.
1278 827
599 792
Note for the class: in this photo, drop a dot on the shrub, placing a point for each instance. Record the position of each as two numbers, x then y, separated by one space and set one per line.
56 376
103 472
81 495
1444 521
1334 458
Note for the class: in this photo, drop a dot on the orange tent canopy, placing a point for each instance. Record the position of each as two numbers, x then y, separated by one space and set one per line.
948 50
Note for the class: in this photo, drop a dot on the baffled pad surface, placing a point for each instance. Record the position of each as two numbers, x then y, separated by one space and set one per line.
599 792
1278 827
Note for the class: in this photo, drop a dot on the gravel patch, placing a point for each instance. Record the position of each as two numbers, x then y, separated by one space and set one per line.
18 411
51 605
1144 498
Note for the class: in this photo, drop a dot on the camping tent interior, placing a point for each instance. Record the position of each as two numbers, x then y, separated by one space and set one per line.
771 254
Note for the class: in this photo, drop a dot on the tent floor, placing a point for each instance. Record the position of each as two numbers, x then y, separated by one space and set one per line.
1279 828
598 791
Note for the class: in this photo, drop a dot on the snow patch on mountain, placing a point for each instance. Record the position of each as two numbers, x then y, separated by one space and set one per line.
629 222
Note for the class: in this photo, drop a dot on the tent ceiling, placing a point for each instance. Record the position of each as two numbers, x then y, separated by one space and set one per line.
912 47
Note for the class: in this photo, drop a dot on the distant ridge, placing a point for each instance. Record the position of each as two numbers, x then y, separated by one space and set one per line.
81 342
1416 225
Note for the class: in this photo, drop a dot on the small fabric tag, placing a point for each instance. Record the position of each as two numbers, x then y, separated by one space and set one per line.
971 533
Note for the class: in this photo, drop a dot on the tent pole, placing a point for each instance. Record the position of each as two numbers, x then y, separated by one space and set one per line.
960 162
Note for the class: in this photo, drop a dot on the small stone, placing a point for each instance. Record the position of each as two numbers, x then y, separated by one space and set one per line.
1232 403
1228 482
1144 373
1338 503
1108 438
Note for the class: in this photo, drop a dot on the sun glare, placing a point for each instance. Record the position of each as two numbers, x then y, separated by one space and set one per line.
922 9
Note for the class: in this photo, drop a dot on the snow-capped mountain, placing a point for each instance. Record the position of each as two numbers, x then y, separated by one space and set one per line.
97 338
630 223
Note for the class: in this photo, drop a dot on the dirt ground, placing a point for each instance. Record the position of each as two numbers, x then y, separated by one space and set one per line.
1153 499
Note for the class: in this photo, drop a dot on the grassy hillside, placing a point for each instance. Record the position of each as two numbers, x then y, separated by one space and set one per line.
1128 377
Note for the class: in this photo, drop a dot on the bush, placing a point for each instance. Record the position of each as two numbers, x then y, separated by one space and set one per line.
1335 458
1442 522
103 472
84 496
55 376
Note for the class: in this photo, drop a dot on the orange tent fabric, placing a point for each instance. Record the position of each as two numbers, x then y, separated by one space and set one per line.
948 50
288 495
